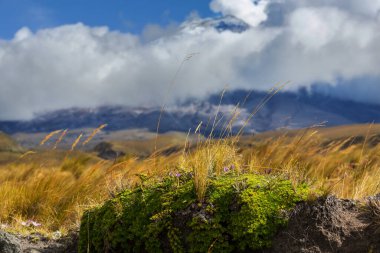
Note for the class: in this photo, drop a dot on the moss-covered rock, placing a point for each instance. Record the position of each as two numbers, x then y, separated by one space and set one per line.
239 213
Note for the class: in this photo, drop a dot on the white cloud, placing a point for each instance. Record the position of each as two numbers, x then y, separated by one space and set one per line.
76 65
326 25
22 34
253 13
153 31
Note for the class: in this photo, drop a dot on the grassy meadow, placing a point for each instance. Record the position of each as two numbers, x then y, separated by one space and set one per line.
53 187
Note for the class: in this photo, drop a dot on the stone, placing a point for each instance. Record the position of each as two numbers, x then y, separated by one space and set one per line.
9 243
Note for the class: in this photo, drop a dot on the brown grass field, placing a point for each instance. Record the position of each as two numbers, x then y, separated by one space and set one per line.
54 187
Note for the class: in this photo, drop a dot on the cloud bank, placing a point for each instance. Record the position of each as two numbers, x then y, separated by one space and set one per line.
331 42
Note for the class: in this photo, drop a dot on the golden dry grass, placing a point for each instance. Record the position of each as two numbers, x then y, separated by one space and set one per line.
338 165
147 147
53 187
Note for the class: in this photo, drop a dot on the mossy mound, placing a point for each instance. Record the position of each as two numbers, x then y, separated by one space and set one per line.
239 213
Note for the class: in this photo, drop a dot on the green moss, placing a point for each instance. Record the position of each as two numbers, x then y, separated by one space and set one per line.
239 213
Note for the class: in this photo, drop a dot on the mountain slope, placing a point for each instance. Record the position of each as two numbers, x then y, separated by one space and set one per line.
7 144
284 110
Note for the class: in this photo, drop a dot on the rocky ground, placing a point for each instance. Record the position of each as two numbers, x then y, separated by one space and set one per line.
326 225
10 243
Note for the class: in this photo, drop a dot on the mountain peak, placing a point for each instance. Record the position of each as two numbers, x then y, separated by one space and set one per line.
221 24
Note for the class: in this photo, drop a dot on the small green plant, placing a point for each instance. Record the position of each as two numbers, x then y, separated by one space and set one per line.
166 216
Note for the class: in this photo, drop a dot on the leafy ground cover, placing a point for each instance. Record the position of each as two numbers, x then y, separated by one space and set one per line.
239 212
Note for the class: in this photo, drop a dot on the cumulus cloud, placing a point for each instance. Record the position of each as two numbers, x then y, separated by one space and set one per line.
369 8
252 12
332 42
153 31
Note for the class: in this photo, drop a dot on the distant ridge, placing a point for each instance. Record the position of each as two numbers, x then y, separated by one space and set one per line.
284 110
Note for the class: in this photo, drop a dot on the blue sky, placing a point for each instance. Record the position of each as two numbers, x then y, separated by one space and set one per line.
121 15
78 60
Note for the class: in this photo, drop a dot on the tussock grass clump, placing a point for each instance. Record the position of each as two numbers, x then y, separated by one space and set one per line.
331 166
53 194
54 198
210 159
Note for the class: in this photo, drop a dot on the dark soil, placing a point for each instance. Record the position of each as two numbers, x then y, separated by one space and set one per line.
331 225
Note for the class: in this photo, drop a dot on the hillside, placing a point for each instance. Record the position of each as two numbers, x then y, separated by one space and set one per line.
9 148
355 134
143 143
291 110
7 144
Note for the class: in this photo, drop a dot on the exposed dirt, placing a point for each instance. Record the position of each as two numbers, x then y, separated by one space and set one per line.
105 151
331 225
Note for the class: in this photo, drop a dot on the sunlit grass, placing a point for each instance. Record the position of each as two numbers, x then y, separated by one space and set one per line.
52 196
52 188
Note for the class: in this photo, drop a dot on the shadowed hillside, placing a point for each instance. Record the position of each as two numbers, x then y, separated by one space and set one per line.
289 110
7 144
9 149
